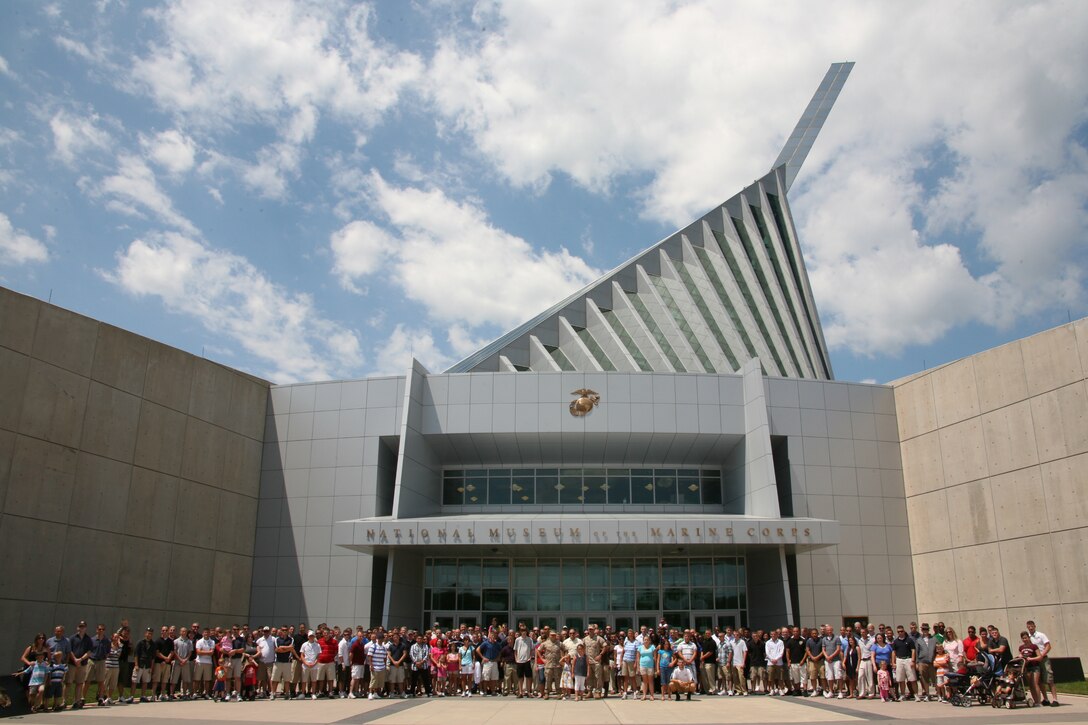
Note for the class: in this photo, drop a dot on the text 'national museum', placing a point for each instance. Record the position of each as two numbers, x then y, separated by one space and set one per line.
667 442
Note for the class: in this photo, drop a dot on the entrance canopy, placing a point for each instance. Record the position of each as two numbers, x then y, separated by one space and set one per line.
600 532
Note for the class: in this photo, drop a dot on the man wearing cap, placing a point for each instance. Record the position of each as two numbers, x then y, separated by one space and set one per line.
266 659
308 653
79 657
552 653
594 644
926 650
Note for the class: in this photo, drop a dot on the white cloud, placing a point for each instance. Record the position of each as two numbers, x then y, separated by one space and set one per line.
134 190
360 248
448 256
18 247
231 297
687 92
74 135
4 68
280 64
172 150
403 344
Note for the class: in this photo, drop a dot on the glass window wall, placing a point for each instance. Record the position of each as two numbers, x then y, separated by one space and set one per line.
570 590
581 486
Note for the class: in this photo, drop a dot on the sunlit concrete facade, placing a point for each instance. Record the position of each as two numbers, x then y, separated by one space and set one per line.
129 473
995 459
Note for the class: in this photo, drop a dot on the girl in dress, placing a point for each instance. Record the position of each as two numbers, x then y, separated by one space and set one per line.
884 682
566 680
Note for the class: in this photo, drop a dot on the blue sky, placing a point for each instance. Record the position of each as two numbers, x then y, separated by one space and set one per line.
311 191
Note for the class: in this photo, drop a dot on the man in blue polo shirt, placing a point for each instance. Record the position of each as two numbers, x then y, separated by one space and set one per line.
489 651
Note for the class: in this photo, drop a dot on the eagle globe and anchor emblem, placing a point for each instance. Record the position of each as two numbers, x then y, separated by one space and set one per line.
584 403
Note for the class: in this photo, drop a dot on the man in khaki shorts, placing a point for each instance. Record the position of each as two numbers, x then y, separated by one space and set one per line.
100 649
78 667
284 647
181 672
160 669
377 658
204 671
298 639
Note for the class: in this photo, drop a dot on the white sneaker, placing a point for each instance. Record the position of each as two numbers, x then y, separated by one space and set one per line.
840 696
351 696
827 695
370 696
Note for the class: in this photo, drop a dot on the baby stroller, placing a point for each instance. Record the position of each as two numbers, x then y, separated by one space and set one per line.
974 687
1011 688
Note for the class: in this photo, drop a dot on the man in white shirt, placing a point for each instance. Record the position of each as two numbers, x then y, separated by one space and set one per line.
266 658
205 666
775 650
1046 671
740 657
683 680
343 662
310 651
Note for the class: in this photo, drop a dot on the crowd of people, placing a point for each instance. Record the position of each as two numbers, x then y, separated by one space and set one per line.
238 663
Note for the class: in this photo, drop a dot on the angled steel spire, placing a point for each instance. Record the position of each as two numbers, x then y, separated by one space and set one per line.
728 288
812 120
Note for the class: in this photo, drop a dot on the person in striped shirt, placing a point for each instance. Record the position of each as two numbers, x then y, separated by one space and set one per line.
377 656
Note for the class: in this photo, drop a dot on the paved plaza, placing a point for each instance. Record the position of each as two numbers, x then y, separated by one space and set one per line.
504 711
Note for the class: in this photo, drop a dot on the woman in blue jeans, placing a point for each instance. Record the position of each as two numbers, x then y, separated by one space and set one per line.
664 665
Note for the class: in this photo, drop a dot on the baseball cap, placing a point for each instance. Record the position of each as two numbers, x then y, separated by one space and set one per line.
310 633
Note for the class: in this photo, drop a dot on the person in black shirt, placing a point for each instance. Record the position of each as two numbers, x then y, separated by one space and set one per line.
795 655
145 658
298 639
708 656
998 646
757 662
903 658
160 670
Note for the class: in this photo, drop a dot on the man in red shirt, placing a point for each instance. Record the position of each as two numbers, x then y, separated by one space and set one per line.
358 663
326 661
970 646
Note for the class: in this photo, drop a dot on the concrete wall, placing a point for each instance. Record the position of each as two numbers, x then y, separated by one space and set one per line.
995 466
329 456
129 476
844 464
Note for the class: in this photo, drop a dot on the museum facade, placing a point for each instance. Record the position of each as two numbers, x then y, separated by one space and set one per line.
666 443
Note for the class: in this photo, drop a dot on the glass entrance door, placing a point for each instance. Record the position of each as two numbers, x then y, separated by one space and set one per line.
702 621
